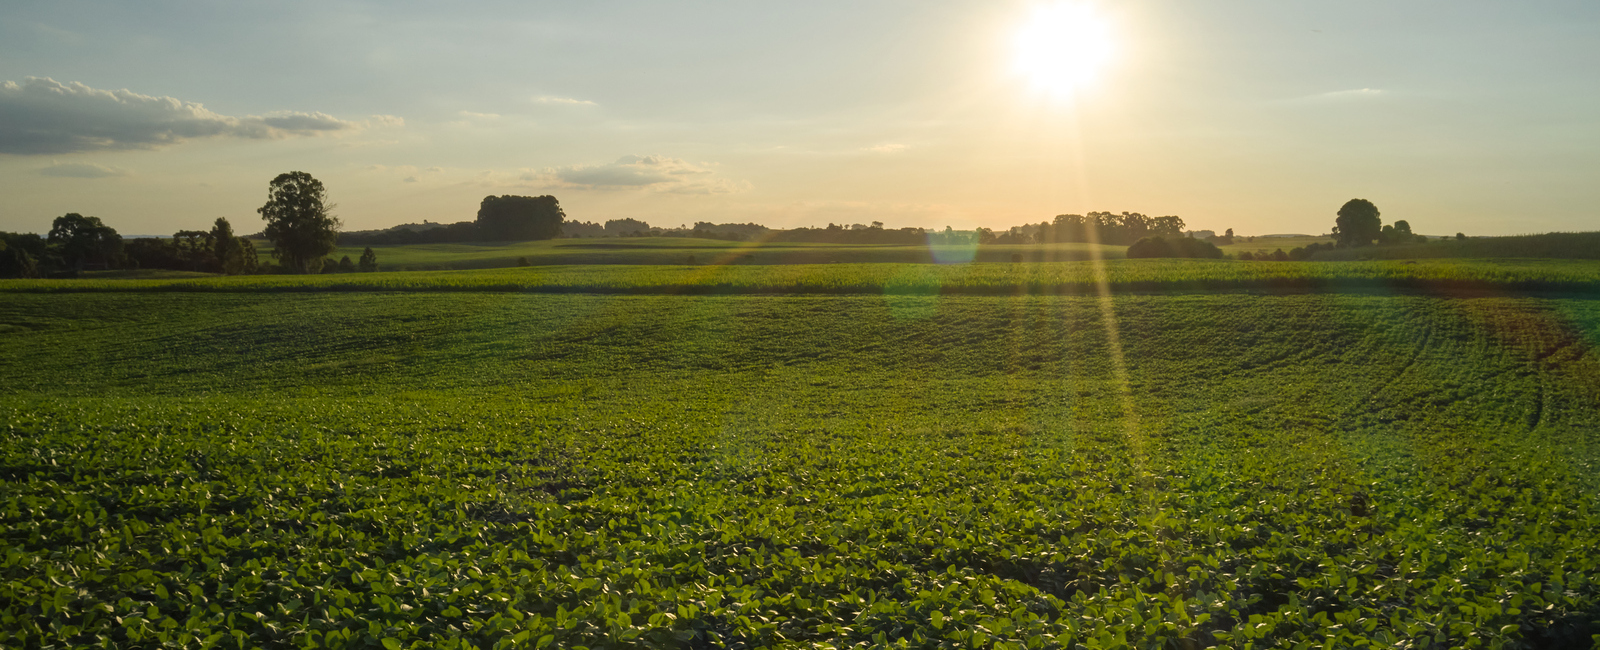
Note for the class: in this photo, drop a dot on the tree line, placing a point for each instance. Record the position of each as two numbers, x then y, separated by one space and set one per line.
299 223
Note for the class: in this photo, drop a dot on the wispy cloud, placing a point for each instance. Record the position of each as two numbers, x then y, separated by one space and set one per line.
638 173
546 99
44 116
1353 94
82 170
888 147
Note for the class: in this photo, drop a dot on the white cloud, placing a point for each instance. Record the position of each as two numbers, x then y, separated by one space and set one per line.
888 147
562 100
44 116
480 116
82 170
649 173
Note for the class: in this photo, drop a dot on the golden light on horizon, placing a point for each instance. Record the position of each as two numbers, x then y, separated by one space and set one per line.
1062 48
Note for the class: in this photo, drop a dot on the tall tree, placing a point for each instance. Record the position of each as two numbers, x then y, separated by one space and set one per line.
1358 223
299 221
519 218
84 240
234 255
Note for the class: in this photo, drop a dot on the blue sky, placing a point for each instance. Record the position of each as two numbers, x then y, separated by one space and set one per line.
1261 116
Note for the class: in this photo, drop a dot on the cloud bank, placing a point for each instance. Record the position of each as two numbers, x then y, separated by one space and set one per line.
652 173
44 116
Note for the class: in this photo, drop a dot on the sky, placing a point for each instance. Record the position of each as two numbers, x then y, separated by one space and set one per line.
1263 116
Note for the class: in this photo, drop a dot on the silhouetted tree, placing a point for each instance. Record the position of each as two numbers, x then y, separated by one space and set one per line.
20 255
346 266
1400 233
84 240
626 227
234 255
299 223
16 263
1461 236
194 250
153 253
1358 223
519 218
369 261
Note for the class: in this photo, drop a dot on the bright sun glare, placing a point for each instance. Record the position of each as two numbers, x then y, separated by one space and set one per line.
1062 48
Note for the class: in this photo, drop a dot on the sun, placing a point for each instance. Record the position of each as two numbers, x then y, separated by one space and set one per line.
1062 48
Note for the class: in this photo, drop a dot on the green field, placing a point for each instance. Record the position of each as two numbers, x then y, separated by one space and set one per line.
465 460
692 251
984 279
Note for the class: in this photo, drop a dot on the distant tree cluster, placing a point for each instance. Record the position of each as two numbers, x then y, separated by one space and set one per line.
1174 247
582 229
1108 228
728 231
21 254
215 251
630 227
84 242
75 243
428 233
500 218
519 218
838 234
1358 224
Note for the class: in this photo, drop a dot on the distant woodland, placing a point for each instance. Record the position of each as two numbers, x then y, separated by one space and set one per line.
303 234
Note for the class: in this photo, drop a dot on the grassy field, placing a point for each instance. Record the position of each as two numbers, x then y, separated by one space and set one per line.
451 469
684 250
983 279
1269 244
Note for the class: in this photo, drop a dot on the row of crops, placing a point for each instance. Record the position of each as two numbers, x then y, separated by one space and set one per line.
505 470
985 279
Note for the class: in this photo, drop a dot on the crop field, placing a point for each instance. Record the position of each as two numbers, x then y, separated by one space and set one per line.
983 279
427 468
509 469
686 250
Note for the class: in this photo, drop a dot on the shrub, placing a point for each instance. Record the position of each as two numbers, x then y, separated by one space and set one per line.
1175 247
